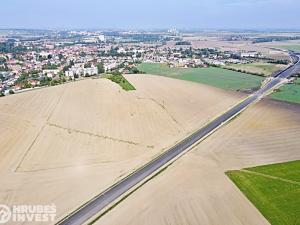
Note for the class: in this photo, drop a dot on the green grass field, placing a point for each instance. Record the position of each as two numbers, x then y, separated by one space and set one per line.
217 77
266 69
273 189
121 80
289 92
290 47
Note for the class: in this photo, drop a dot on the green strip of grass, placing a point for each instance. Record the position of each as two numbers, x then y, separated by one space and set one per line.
290 47
289 92
121 80
262 69
217 77
277 199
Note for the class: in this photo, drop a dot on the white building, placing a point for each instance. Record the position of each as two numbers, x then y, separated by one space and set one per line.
50 73
79 70
93 70
110 66
90 40
101 38
121 50
70 73
249 54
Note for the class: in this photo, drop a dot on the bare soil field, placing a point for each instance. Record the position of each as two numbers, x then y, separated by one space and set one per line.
67 143
195 190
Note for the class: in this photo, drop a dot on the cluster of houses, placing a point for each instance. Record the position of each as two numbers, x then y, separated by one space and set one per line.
79 70
50 58
175 58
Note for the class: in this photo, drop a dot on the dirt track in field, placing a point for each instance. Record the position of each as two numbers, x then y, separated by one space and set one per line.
65 144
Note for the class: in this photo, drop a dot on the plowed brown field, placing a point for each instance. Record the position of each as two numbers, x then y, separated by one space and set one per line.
67 143
195 191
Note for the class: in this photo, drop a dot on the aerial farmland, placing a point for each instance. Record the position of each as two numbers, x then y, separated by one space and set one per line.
164 126
57 143
207 195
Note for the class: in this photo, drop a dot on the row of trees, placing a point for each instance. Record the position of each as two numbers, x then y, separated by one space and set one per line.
279 61
11 92
183 43
275 38
100 68
9 47
49 66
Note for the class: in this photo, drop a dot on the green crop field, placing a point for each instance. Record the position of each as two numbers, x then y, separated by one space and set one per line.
217 77
265 69
273 189
289 92
290 47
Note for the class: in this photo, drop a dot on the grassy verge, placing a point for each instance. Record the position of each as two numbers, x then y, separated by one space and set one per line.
121 80
290 47
262 69
289 92
217 77
273 189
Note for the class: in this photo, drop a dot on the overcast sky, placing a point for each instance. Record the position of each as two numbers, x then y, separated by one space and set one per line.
149 14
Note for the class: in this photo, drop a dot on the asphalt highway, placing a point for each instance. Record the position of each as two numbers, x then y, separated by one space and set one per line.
104 199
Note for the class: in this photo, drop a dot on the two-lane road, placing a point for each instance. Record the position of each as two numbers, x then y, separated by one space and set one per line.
107 197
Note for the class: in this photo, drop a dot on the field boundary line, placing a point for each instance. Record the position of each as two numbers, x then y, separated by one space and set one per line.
162 106
70 130
29 148
39 133
270 176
